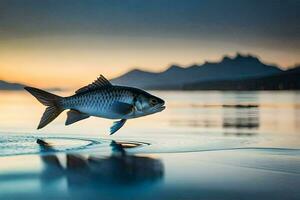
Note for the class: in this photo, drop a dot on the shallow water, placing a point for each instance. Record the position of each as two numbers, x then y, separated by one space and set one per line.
210 145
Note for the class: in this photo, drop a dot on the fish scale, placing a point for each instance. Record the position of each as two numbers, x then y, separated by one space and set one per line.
99 102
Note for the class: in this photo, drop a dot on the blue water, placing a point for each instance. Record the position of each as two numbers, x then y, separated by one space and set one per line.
205 145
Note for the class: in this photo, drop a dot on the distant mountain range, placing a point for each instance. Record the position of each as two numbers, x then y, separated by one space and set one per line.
4 85
242 72
239 67
234 72
286 80
10 86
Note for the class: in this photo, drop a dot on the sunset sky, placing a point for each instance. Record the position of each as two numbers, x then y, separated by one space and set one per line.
68 43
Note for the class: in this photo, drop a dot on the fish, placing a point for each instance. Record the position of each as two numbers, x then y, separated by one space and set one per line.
99 99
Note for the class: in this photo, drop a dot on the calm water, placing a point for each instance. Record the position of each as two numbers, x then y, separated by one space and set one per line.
187 112
210 145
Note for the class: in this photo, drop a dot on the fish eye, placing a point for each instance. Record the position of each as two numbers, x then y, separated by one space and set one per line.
153 101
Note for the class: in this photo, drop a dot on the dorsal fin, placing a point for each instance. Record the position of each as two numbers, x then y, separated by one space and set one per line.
100 82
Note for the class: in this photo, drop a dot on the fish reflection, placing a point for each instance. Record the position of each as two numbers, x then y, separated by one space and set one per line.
91 172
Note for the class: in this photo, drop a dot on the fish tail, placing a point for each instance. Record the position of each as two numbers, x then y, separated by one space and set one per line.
52 101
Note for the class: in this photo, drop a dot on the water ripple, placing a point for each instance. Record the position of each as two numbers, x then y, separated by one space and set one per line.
11 145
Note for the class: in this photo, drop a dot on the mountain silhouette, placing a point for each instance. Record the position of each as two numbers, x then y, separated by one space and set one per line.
10 86
241 72
286 80
237 68
4 85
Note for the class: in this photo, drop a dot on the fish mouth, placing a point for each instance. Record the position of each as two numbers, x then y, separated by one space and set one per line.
160 107
163 107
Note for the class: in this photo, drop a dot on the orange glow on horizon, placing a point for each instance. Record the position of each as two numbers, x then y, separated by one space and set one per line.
72 63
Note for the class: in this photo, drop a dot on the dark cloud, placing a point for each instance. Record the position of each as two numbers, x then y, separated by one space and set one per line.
236 20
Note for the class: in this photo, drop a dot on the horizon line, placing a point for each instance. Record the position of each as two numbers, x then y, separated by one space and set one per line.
219 60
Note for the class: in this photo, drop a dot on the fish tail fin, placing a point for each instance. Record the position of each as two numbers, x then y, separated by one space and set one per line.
51 100
44 97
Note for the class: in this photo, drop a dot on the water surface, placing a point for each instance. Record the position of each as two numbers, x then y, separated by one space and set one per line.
210 145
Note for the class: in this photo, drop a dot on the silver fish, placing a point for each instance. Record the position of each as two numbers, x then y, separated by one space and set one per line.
99 99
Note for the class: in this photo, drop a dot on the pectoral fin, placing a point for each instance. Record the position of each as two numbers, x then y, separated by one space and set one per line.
116 126
122 108
75 116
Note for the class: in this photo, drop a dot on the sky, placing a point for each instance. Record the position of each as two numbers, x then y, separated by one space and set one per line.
68 43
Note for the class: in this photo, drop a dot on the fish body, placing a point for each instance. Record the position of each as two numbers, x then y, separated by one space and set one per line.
101 102
99 99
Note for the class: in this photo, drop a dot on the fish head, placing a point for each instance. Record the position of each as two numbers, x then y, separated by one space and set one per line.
147 104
